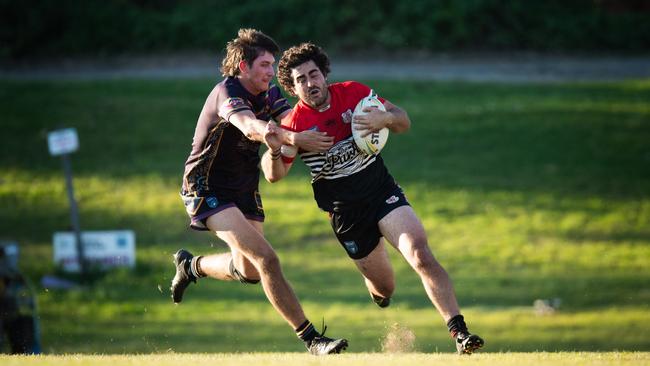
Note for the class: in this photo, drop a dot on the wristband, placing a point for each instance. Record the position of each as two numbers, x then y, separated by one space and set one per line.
288 153
287 159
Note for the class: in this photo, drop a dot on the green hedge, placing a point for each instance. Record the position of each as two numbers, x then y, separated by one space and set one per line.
33 28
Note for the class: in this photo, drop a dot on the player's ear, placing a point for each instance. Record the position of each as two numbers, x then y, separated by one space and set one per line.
243 67
294 88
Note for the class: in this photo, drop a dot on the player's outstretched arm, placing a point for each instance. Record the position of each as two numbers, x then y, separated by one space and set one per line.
249 125
309 140
254 129
313 141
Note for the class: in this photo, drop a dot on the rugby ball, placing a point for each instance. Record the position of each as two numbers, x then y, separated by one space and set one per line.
374 142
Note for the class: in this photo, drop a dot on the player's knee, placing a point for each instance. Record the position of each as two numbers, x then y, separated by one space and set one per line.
269 262
421 256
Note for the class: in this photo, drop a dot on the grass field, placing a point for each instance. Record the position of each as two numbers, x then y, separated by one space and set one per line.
359 359
526 192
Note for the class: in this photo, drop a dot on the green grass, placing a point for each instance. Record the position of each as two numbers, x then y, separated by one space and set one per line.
360 359
526 192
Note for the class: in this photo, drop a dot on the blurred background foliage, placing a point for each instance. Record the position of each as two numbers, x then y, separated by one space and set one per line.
35 28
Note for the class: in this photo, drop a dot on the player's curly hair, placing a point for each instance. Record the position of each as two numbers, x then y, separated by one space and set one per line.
296 56
249 44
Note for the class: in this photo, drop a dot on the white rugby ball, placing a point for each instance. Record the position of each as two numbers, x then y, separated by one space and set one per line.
374 142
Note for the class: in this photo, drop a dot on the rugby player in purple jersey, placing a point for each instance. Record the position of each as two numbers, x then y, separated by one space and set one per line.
220 183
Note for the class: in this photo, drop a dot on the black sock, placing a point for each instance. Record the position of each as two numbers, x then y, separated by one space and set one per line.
456 325
307 332
195 267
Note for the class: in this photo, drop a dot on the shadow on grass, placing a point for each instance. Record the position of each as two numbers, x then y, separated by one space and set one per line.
188 333
578 290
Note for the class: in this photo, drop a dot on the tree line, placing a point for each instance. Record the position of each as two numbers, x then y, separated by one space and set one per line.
48 28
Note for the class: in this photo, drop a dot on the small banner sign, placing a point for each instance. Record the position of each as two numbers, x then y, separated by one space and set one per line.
102 249
63 141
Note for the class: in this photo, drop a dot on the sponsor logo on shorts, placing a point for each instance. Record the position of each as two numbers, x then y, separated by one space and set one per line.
392 200
212 202
351 247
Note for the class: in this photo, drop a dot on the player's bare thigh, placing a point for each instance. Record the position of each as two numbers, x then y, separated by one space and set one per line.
244 237
242 263
377 271
403 229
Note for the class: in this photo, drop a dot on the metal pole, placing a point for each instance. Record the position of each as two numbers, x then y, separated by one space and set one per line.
74 212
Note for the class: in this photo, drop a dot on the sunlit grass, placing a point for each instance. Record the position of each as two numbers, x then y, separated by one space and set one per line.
360 359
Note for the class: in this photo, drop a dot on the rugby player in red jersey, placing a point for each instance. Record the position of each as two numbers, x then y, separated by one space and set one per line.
364 202
220 183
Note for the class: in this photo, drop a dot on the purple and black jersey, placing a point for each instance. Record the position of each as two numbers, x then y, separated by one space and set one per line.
223 159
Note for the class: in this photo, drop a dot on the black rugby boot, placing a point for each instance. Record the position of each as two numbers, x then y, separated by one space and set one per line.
322 345
382 302
183 277
466 343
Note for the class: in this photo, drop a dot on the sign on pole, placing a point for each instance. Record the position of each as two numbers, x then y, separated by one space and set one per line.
63 141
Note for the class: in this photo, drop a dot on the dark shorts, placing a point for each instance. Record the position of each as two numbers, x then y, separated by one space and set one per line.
357 229
200 208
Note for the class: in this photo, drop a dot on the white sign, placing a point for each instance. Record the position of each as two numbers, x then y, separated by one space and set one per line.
63 141
103 249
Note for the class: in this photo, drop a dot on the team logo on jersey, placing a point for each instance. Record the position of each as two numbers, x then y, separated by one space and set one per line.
212 202
351 247
236 102
233 104
347 116
392 200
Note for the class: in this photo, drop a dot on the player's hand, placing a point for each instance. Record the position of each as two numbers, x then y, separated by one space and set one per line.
272 137
373 121
313 141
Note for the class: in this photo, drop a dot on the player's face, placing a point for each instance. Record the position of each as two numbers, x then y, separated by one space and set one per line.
256 77
310 85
